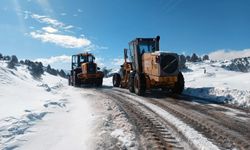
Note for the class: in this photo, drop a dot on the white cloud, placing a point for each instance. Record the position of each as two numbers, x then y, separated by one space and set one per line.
55 59
47 20
58 62
68 27
229 54
47 34
94 47
65 41
64 62
50 34
50 29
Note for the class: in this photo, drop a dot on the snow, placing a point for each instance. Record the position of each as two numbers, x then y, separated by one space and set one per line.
118 127
125 139
108 81
70 129
43 114
197 139
217 83
49 114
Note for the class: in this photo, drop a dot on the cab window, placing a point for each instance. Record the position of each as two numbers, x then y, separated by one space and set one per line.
146 48
83 59
131 52
91 58
74 61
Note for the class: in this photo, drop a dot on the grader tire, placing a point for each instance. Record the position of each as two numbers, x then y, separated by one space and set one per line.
131 83
69 80
140 84
116 80
179 85
99 82
76 81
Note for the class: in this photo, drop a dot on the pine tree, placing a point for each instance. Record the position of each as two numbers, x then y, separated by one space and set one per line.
194 58
182 61
205 57
13 61
188 58
62 74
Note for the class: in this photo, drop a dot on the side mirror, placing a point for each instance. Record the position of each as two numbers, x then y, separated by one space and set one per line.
125 53
98 68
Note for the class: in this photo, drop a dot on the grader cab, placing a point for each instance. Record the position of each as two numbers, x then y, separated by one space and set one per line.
145 67
84 70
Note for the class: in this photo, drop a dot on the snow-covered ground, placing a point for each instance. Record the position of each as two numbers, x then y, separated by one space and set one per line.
41 114
209 80
49 114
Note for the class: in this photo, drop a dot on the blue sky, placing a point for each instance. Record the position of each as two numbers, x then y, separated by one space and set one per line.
52 30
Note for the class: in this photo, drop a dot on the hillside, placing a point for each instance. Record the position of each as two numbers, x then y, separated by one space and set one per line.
26 102
214 81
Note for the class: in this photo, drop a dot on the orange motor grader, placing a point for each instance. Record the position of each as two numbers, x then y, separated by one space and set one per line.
85 71
146 68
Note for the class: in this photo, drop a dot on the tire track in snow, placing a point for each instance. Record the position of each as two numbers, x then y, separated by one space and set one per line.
195 138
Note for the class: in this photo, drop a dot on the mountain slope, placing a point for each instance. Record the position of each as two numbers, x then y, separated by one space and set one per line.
31 110
210 80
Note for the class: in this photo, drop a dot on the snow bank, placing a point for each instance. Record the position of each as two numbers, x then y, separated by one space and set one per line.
126 140
70 126
12 127
209 80
116 125
25 102
108 81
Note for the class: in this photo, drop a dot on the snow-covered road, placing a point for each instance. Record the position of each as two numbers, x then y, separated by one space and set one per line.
203 124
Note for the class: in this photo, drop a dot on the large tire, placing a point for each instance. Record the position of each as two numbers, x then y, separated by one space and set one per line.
140 84
179 85
116 80
99 82
131 82
69 80
76 81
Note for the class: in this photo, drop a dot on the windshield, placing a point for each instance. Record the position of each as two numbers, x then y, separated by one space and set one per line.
83 59
146 47
91 58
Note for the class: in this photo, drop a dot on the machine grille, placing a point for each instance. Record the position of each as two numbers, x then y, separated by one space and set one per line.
169 63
